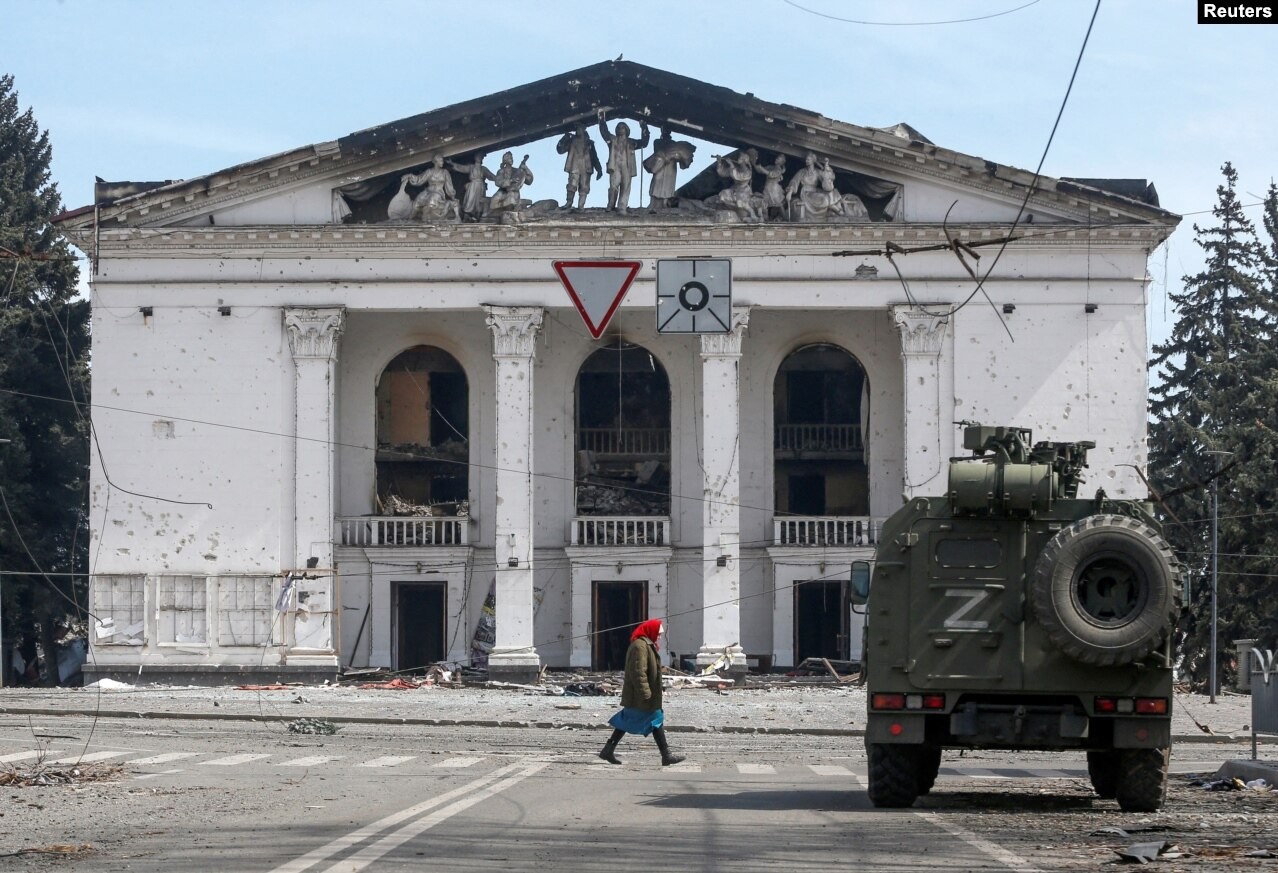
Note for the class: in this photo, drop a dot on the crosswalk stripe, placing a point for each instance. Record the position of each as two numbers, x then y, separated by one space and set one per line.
756 769
312 761
155 775
457 762
1050 774
829 770
977 773
685 767
388 761
88 759
163 759
23 756
232 760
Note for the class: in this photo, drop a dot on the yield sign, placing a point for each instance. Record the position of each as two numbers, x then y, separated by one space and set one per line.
597 288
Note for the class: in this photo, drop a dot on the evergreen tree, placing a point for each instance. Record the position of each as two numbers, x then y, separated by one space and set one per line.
1213 428
44 341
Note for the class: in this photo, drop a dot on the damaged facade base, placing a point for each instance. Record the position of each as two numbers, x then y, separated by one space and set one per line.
397 444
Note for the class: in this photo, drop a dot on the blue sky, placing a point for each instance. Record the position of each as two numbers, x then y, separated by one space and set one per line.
143 90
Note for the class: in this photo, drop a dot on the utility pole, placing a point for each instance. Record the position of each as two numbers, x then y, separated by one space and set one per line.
4 659
1215 515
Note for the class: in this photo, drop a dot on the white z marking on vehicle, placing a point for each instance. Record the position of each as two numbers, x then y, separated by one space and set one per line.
974 597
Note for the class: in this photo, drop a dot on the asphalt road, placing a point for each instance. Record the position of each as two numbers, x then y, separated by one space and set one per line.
251 796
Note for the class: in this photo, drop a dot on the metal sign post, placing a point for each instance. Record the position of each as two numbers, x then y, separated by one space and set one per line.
1264 693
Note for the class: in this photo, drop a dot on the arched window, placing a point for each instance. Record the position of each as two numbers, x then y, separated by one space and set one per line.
623 433
422 433
820 408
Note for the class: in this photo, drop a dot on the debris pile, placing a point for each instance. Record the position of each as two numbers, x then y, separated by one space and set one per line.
317 726
39 775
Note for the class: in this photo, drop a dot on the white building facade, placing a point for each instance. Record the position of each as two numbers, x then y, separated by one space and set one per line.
348 416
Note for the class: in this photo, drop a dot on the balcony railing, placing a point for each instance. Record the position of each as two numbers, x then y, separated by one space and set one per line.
825 530
617 530
818 438
390 530
624 441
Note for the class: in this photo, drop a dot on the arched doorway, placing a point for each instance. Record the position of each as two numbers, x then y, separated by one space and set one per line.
422 434
819 410
623 433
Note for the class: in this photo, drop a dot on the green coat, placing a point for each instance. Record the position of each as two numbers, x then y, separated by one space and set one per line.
642 687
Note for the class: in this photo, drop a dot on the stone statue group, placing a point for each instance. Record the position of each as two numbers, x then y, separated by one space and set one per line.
810 194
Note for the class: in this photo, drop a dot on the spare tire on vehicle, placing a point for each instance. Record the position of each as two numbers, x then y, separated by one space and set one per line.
1105 590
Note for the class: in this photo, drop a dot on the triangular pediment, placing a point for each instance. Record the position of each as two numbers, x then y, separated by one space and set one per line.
895 172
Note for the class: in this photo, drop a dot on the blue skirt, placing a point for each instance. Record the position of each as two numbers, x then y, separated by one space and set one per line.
634 720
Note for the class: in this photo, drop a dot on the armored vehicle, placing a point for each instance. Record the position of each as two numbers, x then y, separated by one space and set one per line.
1011 614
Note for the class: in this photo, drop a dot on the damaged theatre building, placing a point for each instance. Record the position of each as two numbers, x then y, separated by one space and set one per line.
492 383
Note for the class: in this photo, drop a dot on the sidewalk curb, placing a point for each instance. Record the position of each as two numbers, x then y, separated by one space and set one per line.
1196 739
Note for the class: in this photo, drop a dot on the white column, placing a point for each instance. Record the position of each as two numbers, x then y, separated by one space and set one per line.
514 343
922 337
721 512
312 338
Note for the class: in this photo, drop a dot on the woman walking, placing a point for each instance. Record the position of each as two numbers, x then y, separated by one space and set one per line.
641 695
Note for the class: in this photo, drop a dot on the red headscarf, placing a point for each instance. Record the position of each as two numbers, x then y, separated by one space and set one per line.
650 629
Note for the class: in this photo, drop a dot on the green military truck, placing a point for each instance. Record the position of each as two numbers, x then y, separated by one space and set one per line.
1011 614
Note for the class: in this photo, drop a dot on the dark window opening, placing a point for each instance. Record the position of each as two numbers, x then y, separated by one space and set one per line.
819 452
423 435
623 433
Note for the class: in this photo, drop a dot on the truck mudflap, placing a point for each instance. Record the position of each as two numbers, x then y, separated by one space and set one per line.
896 727
1142 733
1019 724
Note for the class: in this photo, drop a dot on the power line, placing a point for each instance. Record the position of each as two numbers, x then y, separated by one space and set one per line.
912 23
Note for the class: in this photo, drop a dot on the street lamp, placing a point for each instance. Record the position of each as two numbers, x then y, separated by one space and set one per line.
1215 509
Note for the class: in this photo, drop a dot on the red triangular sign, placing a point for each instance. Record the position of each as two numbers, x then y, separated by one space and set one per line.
597 288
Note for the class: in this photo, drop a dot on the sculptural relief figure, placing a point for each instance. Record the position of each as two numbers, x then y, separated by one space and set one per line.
401 205
667 158
622 166
510 180
475 198
739 196
437 199
814 197
581 161
774 200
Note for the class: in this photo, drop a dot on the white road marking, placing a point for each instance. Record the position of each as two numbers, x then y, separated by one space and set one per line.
1050 774
153 775
829 770
389 761
88 759
163 759
232 760
977 773
457 762
341 844
998 853
312 761
756 769
686 767
23 756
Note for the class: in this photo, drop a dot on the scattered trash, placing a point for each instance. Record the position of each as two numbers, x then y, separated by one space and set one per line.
64 849
38 775
312 726
567 706
1259 785
106 684
1260 853
587 689
1143 853
276 687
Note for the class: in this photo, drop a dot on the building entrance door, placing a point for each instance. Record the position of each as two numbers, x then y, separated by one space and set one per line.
421 617
618 607
821 617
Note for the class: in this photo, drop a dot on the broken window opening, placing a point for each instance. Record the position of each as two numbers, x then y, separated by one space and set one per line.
119 608
623 433
423 435
182 610
245 611
820 408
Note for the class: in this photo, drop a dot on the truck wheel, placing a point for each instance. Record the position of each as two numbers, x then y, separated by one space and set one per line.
1142 779
1104 589
1102 767
894 774
929 767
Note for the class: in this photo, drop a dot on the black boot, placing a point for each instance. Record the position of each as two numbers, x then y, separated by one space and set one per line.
666 757
610 747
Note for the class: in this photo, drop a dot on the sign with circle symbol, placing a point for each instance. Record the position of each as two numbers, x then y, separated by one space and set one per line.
694 295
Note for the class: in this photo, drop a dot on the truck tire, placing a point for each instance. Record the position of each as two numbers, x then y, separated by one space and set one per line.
1102 768
929 767
1105 590
1142 779
894 774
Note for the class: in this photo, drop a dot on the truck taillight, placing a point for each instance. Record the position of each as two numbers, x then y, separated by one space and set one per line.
1128 705
934 701
1151 705
1107 704
882 700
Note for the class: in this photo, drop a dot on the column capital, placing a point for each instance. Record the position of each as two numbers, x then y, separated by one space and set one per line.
313 333
921 331
727 345
514 329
